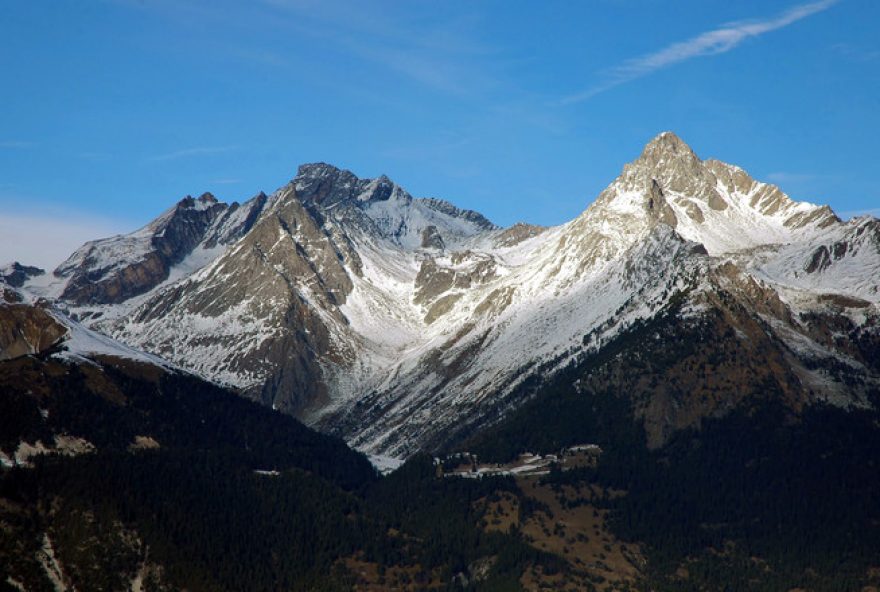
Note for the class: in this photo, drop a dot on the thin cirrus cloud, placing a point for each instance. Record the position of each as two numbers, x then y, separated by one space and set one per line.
188 152
714 42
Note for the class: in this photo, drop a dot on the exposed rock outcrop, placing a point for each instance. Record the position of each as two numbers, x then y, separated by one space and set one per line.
27 330
15 274
113 270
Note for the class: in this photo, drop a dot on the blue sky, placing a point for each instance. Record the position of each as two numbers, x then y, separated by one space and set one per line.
113 110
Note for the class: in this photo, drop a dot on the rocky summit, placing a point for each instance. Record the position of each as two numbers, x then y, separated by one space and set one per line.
406 324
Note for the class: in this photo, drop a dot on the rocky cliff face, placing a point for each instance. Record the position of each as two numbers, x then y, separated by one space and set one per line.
15 274
27 330
258 317
113 270
396 322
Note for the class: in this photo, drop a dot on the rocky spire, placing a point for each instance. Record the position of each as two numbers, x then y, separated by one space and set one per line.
667 148
670 161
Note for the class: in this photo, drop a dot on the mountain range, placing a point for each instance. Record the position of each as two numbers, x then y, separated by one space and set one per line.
404 324
712 344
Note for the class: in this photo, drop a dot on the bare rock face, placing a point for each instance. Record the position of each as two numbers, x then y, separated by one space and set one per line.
131 280
465 270
443 206
15 274
9 296
860 240
27 330
656 205
113 270
440 288
431 238
517 233
819 260
267 329
432 281
821 217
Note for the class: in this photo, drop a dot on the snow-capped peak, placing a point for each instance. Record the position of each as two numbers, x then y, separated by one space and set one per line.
386 207
710 202
666 149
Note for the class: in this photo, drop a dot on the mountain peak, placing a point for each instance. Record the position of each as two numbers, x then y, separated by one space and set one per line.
313 170
668 138
667 148
204 201
709 202
325 185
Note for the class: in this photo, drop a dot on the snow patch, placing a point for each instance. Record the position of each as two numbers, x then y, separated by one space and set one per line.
385 464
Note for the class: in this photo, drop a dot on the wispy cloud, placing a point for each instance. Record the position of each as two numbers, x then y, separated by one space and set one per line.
714 42
197 151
